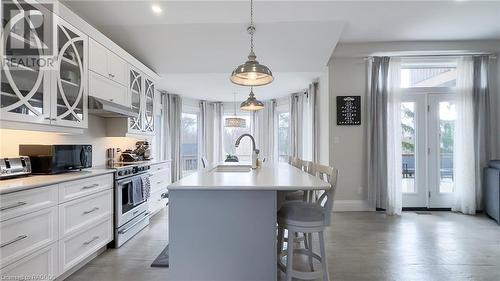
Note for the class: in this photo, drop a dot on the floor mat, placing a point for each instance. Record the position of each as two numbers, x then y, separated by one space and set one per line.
162 259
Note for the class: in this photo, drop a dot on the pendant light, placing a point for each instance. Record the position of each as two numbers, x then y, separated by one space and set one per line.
252 104
235 122
252 73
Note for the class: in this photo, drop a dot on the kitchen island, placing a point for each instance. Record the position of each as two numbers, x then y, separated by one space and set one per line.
222 221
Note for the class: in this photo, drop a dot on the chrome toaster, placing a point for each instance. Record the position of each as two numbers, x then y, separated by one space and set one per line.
14 166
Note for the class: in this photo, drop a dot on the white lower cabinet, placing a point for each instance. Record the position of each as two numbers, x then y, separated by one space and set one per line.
80 213
41 265
160 179
46 231
23 235
76 247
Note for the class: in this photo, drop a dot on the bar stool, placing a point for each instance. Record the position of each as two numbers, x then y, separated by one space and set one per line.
306 166
308 218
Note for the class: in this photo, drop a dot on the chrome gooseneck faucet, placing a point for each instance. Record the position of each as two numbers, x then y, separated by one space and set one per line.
255 151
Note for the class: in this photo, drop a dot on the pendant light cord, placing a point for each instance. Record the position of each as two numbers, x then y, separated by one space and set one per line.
251 28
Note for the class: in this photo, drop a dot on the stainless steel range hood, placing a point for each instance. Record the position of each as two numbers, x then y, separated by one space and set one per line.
107 109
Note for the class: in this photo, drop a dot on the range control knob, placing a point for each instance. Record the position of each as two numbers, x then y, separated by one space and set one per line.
120 173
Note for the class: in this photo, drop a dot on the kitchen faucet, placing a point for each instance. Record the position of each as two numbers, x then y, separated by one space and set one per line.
255 151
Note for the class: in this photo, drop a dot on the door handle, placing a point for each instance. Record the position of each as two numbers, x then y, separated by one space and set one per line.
91 211
91 240
18 204
18 238
90 186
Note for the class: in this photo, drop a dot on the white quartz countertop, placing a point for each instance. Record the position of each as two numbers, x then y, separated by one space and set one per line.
280 176
33 181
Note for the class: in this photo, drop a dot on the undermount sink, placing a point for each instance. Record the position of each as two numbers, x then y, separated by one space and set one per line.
232 169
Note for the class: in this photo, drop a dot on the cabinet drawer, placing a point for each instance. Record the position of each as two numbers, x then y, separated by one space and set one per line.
106 89
98 58
80 213
160 167
157 201
75 248
41 265
27 201
159 180
79 188
118 69
23 235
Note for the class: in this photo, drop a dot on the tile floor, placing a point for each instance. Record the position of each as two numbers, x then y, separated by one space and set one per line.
360 246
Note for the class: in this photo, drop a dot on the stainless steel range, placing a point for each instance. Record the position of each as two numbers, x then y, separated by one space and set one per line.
131 211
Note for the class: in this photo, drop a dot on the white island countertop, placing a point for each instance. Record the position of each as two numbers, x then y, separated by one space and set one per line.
280 176
34 181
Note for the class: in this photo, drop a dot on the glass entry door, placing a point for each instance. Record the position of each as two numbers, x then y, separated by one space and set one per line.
427 128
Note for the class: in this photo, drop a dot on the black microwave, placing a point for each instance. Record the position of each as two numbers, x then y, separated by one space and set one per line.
57 158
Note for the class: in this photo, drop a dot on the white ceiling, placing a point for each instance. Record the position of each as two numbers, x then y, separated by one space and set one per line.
194 45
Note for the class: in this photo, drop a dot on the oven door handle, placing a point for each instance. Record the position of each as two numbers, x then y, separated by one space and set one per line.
132 226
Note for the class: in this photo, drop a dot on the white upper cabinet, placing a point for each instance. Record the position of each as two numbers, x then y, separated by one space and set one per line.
136 90
45 81
149 101
69 106
107 63
25 86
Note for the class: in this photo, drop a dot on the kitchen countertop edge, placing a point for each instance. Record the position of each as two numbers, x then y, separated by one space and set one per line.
36 181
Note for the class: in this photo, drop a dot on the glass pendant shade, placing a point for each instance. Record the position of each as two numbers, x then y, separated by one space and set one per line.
252 73
252 104
235 122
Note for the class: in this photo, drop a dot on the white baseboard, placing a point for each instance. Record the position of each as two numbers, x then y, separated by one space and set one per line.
351 206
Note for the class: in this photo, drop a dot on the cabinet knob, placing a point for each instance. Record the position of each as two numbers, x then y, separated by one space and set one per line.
110 99
111 75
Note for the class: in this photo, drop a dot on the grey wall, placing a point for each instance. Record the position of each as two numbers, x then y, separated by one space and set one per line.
347 76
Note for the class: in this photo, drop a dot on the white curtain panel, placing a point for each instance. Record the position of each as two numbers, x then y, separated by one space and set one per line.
313 105
218 149
394 161
463 156
172 112
206 130
482 123
378 72
296 125
266 130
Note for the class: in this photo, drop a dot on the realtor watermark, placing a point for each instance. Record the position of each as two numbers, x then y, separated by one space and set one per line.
28 277
27 36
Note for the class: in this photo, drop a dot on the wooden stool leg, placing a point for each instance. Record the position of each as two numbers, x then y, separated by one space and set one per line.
324 263
289 257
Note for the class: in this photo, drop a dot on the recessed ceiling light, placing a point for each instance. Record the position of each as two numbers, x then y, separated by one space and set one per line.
156 9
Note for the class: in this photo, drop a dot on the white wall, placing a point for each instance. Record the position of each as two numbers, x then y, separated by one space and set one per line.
347 76
347 143
324 118
95 135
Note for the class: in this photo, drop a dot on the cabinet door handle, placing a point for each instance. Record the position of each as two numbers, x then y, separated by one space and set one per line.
47 118
18 238
111 75
91 240
18 204
164 195
158 182
90 186
110 99
90 211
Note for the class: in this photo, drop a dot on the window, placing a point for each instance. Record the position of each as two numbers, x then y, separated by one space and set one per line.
244 151
429 74
189 142
283 136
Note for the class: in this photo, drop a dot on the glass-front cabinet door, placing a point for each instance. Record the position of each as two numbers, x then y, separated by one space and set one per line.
136 92
26 54
69 105
149 97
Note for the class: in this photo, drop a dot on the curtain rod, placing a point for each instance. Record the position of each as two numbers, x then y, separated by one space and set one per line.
491 56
